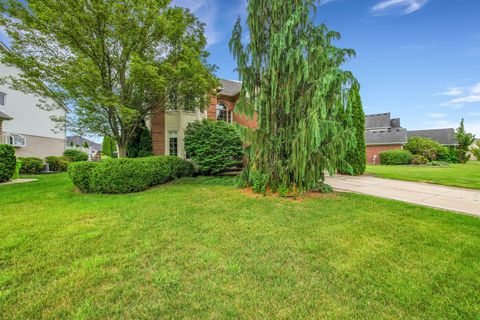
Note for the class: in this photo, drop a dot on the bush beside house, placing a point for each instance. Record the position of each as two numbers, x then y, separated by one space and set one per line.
396 157
7 162
31 165
427 148
215 146
117 176
59 164
75 155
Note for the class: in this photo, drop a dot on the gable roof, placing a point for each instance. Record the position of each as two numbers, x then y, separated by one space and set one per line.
386 137
230 87
442 136
381 120
79 140
3 116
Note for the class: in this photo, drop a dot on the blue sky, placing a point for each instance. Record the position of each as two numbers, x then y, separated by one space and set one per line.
418 59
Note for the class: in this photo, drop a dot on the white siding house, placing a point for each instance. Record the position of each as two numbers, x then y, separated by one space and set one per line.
27 127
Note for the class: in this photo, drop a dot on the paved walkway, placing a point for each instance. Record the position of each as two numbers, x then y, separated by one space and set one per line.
431 195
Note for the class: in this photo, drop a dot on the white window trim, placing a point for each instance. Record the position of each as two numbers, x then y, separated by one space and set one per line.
9 136
170 134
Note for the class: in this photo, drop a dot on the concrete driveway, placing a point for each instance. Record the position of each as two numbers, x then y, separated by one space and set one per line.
430 195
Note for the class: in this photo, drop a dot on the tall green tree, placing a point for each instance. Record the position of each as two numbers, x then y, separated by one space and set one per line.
109 147
140 145
292 78
357 157
465 140
113 61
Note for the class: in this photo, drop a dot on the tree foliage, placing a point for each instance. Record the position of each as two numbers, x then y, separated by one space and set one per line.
140 146
214 146
113 61
357 157
465 140
426 147
292 78
109 147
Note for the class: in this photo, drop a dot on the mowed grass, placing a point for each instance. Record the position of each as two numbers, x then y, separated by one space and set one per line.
456 175
199 248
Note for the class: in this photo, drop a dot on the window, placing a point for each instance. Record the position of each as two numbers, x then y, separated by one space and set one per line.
2 98
15 140
223 114
173 143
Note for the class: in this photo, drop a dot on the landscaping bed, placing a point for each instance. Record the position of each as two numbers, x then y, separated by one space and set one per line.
200 248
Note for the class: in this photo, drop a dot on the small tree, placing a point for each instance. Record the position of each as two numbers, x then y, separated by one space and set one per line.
109 147
141 144
465 141
357 156
476 150
85 145
214 146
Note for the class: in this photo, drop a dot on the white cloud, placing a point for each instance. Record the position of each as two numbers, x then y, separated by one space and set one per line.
454 91
207 12
398 7
437 115
470 126
466 95
323 2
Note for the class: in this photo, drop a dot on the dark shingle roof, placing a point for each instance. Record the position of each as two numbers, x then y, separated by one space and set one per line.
386 137
381 120
3 116
395 123
78 140
442 136
229 87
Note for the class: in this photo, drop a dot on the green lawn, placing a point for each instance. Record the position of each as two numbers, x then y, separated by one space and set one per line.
202 249
457 175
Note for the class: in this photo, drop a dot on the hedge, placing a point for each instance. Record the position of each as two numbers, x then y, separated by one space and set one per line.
127 175
7 162
31 165
59 164
395 157
75 155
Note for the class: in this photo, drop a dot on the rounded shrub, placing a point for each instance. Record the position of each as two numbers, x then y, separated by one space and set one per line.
419 160
7 162
31 165
127 175
214 146
59 164
395 157
430 149
75 155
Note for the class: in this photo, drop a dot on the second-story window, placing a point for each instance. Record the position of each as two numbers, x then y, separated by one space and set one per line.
2 98
223 114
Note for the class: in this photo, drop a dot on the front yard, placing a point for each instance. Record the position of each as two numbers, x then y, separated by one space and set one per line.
200 248
456 175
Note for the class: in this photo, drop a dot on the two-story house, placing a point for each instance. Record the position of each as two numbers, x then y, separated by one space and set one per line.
26 126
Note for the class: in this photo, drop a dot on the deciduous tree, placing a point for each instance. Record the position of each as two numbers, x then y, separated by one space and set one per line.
113 61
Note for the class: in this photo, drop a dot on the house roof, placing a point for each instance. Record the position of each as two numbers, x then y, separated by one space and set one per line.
229 87
386 137
381 120
3 116
79 140
442 136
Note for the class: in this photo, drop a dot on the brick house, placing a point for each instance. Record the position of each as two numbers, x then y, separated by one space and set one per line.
168 127
383 133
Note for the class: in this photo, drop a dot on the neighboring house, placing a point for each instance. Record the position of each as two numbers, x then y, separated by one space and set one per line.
94 149
383 133
168 127
24 125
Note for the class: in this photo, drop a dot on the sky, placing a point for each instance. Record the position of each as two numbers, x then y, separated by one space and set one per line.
418 59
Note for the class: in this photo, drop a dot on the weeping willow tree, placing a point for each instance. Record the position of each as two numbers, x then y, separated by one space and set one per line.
292 78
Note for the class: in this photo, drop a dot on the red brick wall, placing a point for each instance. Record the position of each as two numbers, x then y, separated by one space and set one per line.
158 133
230 103
373 151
